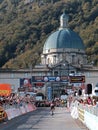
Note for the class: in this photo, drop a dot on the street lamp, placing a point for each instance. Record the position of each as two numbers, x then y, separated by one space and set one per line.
67 74
67 68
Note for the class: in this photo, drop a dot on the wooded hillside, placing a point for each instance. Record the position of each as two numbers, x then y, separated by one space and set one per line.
26 24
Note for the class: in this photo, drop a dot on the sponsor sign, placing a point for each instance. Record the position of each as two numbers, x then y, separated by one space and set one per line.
39 84
25 82
21 89
5 89
77 79
49 79
64 79
49 93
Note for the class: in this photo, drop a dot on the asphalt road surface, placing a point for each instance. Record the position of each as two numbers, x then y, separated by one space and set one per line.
41 119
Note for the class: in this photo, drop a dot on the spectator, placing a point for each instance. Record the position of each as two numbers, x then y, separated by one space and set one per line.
89 100
94 102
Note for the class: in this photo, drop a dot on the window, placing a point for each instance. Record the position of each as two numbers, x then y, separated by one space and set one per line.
56 73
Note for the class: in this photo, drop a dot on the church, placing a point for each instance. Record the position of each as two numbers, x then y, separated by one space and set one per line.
63 68
64 44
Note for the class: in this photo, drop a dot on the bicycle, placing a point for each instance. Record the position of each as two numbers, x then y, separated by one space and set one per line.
52 109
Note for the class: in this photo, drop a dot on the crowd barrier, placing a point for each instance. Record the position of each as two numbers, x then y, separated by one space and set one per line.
81 114
91 121
86 115
14 112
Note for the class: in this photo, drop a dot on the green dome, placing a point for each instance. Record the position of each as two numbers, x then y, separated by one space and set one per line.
64 38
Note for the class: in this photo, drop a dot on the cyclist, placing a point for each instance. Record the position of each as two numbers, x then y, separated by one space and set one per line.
52 105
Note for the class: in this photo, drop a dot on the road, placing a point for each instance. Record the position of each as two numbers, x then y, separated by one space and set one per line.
41 119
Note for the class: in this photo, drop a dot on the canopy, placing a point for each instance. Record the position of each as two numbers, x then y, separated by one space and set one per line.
5 89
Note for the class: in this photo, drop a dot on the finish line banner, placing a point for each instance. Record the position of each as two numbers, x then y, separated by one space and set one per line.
49 79
71 79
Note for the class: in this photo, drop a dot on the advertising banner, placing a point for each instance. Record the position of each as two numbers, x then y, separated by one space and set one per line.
49 79
49 93
5 89
25 82
77 79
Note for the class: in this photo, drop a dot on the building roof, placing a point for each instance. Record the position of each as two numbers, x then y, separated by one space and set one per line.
64 38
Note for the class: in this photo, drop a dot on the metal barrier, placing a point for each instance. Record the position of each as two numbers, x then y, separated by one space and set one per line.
87 114
16 111
81 114
89 108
